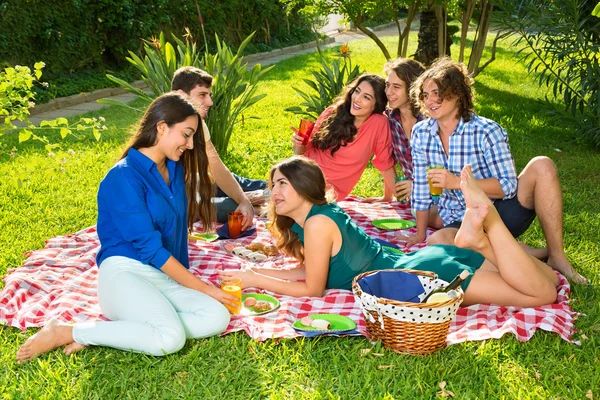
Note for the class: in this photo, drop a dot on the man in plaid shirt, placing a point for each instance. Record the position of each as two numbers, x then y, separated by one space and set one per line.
454 136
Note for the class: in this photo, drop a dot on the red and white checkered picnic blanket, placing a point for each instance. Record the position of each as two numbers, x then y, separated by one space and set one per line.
60 280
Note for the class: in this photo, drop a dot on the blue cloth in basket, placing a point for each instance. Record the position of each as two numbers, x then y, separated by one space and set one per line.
393 285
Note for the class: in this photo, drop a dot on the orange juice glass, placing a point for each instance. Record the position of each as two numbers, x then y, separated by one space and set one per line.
303 130
234 222
435 191
233 286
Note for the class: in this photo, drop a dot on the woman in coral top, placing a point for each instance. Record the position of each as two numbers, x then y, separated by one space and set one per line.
347 135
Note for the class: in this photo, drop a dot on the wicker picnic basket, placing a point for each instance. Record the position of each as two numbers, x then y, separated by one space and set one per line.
405 327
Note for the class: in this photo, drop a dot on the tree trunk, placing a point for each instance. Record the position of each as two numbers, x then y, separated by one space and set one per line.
481 35
373 36
412 12
465 21
427 49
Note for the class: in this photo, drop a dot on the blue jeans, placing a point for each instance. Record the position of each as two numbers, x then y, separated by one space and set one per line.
225 204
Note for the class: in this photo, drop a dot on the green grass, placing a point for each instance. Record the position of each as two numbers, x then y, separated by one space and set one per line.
53 203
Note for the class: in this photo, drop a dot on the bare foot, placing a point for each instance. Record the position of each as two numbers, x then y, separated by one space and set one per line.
562 265
471 235
51 336
73 348
471 191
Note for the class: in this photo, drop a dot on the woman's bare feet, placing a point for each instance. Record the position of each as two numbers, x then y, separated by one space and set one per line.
73 348
471 191
471 235
51 336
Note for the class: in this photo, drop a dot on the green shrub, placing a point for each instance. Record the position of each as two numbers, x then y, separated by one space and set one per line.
234 88
329 83
70 35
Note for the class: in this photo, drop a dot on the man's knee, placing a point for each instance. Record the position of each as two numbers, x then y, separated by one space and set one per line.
542 167
443 236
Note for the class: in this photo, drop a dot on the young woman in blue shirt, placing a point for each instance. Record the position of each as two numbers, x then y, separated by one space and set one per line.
145 289
334 250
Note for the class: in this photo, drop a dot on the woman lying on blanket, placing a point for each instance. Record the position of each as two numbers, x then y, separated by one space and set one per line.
334 250
144 286
347 135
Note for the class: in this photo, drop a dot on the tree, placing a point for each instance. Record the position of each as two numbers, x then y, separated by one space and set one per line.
559 42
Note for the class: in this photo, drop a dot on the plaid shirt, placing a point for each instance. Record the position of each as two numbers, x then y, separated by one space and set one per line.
400 143
480 142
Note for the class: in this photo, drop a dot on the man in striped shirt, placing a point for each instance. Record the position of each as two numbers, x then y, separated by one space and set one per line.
454 136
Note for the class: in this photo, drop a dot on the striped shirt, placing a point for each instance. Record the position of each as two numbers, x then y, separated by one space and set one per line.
480 142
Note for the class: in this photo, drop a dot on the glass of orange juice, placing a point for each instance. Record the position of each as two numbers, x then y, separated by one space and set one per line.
234 222
435 191
233 286
304 130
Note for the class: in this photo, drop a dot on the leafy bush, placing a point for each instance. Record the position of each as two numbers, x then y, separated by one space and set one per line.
559 42
16 98
234 88
329 83
71 35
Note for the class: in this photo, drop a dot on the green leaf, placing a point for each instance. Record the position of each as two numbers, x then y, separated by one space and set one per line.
51 123
64 132
62 121
25 135
596 11
97 134
39 65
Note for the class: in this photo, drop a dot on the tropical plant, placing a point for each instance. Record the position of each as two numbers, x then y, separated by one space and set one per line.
559 42
234 86
16 98
329 83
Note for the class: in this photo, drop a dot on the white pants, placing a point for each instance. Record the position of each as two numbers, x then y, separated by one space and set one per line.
149 312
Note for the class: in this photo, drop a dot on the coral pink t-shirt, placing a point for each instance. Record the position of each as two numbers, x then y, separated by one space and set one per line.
344 169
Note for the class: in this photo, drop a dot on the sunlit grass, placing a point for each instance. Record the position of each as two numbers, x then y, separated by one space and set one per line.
52 202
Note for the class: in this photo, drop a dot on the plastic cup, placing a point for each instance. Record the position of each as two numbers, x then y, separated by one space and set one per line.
399 179
233 286
303 130
435 191
234 222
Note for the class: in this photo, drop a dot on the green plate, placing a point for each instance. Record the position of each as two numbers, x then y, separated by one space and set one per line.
395 250
393 224
259 297
205 237
339 323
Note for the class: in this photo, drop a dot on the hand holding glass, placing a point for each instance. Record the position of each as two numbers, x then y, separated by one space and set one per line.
434 190
233 286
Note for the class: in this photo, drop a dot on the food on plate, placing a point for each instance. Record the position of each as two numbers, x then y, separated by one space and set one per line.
250 302
320 324
270 250
306 321
255 246
256 256
262 306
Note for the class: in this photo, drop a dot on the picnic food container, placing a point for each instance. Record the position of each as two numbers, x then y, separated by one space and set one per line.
407 327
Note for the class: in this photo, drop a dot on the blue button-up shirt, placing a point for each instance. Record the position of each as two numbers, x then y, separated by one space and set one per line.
480 142
139 215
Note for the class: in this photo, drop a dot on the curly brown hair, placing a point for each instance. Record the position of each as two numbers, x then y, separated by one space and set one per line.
453 81
408 71
338 129
172 108
308 181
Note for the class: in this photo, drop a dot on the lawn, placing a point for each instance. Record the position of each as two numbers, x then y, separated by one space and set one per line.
52 202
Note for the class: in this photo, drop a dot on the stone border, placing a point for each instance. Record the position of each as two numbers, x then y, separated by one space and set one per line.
69 101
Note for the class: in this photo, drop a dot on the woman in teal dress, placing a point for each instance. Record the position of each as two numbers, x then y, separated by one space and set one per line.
333 250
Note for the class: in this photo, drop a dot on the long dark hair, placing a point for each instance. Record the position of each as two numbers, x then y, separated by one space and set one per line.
338 129
308 181
172 108
407 70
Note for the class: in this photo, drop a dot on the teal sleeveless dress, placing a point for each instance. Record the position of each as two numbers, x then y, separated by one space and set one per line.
359 253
